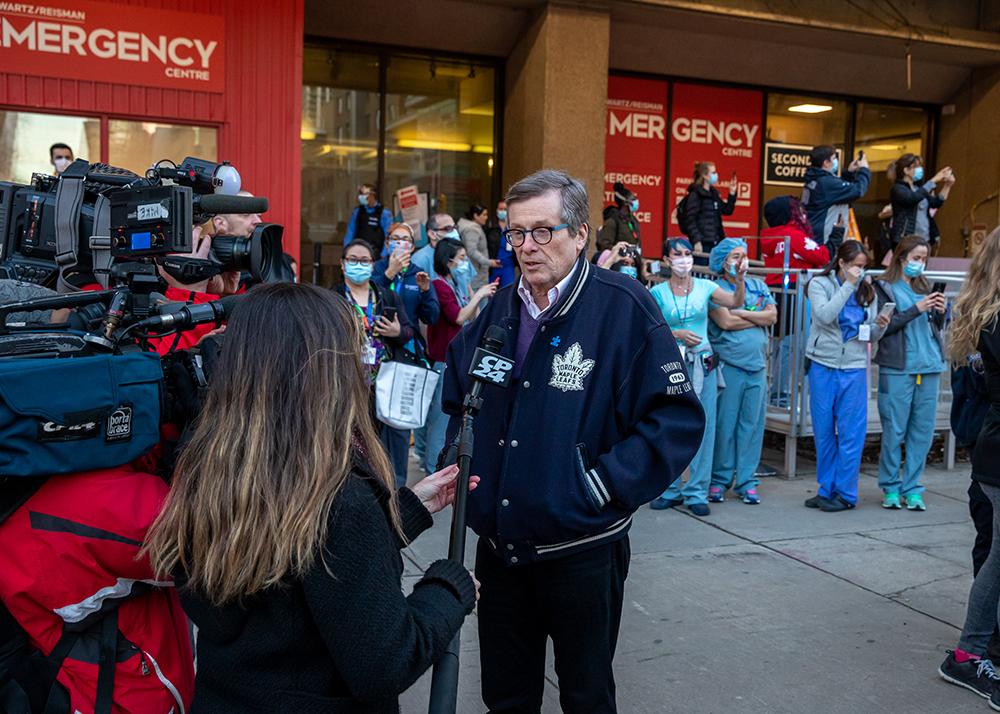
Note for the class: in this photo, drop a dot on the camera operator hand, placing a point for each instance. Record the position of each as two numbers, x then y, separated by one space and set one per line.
437 491
227 283
384 328
200 248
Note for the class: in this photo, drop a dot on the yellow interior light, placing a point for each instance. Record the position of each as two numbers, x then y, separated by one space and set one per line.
435 145
810 108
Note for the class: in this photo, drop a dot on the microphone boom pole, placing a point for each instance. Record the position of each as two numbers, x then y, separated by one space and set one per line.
488 367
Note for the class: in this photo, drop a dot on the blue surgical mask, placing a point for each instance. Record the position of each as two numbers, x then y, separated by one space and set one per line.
358 273
713 178
836 165
913 269
363 200
731 269
462 269
918 173
634 204
502 215
630 271
450 235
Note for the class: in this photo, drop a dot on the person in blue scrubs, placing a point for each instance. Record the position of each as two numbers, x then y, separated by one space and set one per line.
684 301
911 358
739 338
845 323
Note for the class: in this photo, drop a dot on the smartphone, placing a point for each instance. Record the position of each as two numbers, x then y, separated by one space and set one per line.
389 313
861 155
887 309
939 287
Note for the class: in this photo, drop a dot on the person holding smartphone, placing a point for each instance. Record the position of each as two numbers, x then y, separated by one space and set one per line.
386 327
911 358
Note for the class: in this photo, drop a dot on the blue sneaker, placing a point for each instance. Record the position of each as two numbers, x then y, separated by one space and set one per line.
751 497
716 494
662 504
699 509
915 503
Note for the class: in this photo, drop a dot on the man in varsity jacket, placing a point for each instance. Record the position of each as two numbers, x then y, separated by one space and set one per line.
599 420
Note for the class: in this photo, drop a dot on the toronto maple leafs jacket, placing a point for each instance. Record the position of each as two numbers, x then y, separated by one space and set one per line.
601 420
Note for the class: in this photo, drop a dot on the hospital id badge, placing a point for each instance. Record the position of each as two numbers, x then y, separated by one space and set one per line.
368 353
864 333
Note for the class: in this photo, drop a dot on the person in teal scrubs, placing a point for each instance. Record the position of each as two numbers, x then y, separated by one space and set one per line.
910 359
739 337
684 301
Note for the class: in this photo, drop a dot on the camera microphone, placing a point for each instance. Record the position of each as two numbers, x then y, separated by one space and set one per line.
214 311
218 203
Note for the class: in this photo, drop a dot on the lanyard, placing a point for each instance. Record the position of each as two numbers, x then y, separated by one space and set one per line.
368 313
687 297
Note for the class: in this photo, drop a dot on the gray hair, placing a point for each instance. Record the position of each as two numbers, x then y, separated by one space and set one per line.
572 193
433 223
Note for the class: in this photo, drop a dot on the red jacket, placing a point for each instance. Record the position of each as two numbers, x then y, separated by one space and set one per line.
71 547
442 332
806 253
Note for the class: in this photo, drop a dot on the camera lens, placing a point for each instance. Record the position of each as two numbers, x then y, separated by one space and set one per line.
257 255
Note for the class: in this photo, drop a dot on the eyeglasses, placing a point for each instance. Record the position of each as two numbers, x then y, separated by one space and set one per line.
443 229
358 261
541 235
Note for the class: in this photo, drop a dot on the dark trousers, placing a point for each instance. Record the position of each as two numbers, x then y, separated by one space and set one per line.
397 443
981 511
577 601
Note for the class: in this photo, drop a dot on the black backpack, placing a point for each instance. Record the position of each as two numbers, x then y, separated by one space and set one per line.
682 217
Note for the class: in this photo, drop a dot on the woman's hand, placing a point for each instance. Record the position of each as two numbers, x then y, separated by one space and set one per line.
615 255
934 301
941 175
437 491
487 291
742 268
399 261
423 281
882 321
853 274
734 185
477 584
384 328
689 338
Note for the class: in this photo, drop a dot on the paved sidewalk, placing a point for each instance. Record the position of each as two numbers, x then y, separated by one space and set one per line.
777 608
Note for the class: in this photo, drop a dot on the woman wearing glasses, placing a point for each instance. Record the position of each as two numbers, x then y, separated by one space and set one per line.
386 327
450 262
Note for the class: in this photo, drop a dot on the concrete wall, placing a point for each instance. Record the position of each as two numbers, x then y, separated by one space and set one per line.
968 142
557 80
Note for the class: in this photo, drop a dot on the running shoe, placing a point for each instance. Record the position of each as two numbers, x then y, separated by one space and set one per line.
976 675
915 503
891 500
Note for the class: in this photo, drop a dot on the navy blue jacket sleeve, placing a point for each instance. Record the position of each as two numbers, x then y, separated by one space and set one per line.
730 205
665 424
902 196
837 190
430 309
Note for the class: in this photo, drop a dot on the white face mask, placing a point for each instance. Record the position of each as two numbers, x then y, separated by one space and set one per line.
61 163
682 266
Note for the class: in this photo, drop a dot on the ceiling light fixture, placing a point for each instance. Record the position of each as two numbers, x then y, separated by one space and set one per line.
810 108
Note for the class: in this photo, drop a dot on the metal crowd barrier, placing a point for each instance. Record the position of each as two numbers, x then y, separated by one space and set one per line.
788 388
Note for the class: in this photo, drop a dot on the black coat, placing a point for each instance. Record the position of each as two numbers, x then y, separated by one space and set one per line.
985 466
705 209
905 204
342 642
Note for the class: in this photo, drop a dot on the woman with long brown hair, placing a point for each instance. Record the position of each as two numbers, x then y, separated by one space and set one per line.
283 526
844 323
911 358
975 328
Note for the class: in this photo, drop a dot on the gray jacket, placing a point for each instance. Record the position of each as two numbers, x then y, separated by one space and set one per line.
826 343
892 348
474 240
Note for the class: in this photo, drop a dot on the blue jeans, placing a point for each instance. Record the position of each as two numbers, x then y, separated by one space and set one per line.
700 471
397 444
436 425
838 399
909 412
739 429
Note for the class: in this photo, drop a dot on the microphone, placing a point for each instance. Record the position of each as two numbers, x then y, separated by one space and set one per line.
488 366
217 203
215 311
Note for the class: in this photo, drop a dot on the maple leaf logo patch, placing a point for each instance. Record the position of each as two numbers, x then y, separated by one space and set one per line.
569 369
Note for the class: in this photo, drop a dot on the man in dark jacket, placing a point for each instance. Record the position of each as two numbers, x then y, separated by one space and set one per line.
600 418
826 196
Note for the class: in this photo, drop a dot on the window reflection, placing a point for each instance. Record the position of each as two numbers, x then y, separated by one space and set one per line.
25 138
137 145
